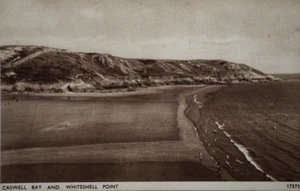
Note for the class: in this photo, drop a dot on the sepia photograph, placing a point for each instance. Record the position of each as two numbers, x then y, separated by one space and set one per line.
176 91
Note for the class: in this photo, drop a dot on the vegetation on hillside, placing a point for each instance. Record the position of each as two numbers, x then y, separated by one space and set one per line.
38 69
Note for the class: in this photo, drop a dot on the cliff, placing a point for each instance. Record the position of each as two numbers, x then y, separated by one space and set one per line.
44 69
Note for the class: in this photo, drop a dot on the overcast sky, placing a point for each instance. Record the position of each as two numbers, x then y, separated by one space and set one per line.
262 34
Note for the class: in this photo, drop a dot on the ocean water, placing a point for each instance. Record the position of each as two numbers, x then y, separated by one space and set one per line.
253 130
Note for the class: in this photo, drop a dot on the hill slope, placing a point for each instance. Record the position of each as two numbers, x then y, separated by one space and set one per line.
37 69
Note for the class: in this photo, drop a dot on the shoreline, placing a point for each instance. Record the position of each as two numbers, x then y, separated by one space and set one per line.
189 148
198 98
191 132
138 91
239 123
135 145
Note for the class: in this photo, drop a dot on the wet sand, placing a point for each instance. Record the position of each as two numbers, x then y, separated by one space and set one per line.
246 132
59 123
103 172
177 152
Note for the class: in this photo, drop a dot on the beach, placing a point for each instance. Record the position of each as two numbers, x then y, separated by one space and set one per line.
195 133
176 143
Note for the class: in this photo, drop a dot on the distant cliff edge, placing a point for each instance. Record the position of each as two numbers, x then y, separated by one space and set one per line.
44 69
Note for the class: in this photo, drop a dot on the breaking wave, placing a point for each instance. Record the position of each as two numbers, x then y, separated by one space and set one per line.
244 151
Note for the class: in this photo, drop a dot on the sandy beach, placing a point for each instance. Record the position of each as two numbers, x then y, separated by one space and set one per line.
202 136
188 148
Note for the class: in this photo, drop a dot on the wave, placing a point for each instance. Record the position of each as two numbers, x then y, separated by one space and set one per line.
245 152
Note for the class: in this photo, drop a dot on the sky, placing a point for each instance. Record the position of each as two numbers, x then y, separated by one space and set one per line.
264 34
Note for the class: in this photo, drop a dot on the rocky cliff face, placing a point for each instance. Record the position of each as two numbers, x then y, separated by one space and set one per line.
38 69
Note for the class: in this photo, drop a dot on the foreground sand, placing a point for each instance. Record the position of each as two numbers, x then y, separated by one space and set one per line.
188 149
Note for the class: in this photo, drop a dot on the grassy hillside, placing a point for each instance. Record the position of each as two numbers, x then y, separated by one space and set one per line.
38 69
